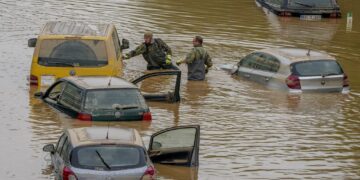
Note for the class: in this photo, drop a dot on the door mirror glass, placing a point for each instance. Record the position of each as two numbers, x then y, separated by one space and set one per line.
32 42
39 94
177 146
49 148
125 44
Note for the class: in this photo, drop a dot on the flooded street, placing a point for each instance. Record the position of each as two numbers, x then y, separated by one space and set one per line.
247 130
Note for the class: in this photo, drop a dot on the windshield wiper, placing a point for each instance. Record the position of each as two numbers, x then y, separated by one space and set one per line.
303 4
63 64
102 160
329 74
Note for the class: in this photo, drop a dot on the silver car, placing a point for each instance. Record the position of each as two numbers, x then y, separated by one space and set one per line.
294 70
119 153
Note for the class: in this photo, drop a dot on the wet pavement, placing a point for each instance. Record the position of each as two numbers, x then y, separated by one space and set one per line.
248 131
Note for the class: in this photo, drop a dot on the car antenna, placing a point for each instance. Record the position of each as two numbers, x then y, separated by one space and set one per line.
309 50
107 132
109 83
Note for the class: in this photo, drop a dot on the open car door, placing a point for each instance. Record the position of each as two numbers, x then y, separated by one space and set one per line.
176 146
170 96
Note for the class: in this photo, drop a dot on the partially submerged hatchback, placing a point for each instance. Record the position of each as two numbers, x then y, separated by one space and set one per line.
75 48
102 98
305 9
295 70
119 153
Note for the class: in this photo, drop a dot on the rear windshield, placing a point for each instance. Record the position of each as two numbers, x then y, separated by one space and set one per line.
63 53
316 68
310 4
114 98
108 157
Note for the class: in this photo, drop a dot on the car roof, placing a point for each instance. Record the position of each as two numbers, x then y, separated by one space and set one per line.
75 28
292 55
97 135
100 82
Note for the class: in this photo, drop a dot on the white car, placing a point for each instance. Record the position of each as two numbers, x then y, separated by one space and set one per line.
295 70
119 153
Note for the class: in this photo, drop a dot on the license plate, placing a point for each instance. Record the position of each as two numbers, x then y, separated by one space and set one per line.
310 17
47 80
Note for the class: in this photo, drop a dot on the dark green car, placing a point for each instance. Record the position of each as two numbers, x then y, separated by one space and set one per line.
105 98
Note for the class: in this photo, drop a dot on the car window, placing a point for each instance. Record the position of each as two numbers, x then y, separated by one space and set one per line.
310 3
108 98
77 52
116 43
249 60
55 92
265 62
115 156
71 97
60 143
316 68
175 139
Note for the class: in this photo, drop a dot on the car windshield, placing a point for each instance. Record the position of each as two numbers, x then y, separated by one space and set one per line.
114 99
310 4
74 52
316 68
108 157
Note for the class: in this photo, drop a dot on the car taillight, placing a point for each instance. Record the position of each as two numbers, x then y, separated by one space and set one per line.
68 174
147 116
334 15
84 117
293 82
34 80
285 14
149 174
345 81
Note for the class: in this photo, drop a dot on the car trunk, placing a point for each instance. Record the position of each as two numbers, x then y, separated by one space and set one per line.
113 115
332 83
125 174
319 75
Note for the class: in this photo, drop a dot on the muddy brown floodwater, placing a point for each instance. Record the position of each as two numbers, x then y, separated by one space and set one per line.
248 131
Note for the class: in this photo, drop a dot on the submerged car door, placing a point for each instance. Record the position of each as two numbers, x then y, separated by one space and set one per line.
173 96
176 146
56 157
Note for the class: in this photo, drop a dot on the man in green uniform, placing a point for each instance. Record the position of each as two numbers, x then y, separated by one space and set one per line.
155 52
198 61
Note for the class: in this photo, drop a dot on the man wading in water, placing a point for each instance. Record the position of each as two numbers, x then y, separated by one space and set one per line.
197 60
155 52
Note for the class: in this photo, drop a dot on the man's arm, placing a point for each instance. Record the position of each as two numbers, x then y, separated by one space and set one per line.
165 46
190 57
137 51
208 61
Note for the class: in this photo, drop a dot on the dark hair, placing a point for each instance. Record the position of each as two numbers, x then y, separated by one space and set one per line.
199 39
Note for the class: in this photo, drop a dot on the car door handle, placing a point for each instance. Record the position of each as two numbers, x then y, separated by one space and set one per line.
247 75
267 79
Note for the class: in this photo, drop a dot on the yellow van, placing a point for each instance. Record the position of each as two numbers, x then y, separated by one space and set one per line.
73 48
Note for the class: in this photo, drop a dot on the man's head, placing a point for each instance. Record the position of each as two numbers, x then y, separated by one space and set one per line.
198 40
148 37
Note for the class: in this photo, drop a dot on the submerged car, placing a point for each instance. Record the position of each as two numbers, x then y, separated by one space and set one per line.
74 48
305 9
294 70
102 98
119 153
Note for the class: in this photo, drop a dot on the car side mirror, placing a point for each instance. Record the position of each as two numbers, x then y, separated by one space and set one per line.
32 42
125 44
49 148
39 94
